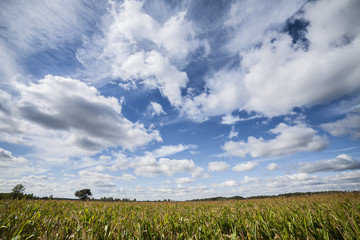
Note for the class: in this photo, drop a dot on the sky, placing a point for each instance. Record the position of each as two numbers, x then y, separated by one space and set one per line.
179 100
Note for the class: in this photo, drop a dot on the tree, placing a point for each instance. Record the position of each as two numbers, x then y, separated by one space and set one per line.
18 191
83 194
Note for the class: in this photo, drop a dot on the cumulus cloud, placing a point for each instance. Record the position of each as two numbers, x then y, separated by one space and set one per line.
154 71
138 49
273 166
251 179
63 117
229 119
226 93
184 180
101 180
228 183
281 72
303 182
150 167
340 163
179 192
218 166
306 77
350 125
156 109
154 163
289 140
248 28
39 185
7 160
176 35
243 167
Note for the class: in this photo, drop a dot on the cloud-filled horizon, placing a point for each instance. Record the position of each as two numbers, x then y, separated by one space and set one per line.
179 100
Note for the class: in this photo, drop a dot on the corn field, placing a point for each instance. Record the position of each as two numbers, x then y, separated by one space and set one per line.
326 216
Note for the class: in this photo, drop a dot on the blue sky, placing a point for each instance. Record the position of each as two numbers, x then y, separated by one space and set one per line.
179 99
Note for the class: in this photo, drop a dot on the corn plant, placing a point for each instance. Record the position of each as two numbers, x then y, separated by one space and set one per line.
327 216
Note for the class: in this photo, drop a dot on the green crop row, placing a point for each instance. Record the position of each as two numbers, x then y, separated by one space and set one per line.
328 216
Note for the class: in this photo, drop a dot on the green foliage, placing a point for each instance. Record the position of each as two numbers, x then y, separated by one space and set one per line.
83 194
327 216
18 189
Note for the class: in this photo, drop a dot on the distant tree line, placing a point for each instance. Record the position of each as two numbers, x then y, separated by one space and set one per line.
18 192
268 196
219 198
111 199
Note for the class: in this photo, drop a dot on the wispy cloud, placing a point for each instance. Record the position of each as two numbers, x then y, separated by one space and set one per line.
340 163
350 125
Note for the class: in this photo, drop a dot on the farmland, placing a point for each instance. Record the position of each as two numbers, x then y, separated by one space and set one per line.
325 216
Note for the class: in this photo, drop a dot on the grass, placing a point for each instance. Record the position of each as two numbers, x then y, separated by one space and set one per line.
327 216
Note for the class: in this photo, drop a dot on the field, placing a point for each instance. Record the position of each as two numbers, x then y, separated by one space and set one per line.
325 216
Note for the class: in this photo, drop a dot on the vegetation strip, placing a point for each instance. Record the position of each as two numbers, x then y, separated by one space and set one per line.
323 216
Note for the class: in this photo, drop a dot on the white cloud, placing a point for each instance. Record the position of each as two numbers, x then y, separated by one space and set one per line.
156 109
299 179
306 78
101 180
7 160
150 167
128 177
138 49
289 140
226 93
233 133
350 125
14 167
303 182
184 180
176 35
29 23
179 192
229 119
154 163
340 163
8 67
353 177
248 28
273 166
251 179
226 184
29 28
169 150
154 71
242 167
39 185
62 117
218 166
277 75
8 125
